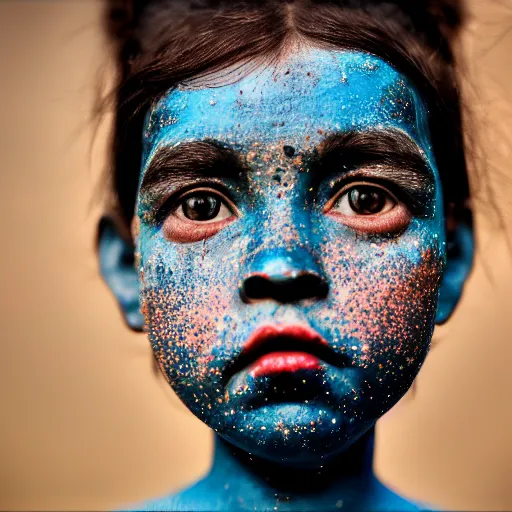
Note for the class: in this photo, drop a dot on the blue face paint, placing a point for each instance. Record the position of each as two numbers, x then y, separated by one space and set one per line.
290 244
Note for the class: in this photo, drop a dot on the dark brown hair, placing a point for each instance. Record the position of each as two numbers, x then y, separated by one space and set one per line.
161 43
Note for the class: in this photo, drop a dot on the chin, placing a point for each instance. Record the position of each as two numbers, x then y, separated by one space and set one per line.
294 434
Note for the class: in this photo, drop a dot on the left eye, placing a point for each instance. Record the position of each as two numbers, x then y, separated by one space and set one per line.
364 200
369 208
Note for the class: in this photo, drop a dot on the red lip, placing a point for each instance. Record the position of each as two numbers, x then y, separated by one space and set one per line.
301 341
279 362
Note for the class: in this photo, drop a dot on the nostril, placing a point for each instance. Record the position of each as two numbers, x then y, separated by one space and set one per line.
311 286
284 289
301 287
255 288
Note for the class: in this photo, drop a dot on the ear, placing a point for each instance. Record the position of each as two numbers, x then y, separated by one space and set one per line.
117 268
459 260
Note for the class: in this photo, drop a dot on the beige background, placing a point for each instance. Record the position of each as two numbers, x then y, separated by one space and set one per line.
86 423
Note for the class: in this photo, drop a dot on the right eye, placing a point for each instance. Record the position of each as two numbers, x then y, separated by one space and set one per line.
199 214
203 207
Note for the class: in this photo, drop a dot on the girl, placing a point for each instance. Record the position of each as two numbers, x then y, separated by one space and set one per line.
290 223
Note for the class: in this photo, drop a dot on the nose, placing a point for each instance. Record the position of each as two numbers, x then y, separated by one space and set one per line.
284 278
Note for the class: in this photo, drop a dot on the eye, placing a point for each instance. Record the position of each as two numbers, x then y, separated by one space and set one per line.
203 207
369 208
198 215
364 200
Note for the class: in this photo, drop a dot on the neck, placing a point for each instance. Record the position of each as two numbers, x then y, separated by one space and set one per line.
345 479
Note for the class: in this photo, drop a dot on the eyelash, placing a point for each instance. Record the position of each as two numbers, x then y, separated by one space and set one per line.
172 203
347 182
183 231
377 223
389 223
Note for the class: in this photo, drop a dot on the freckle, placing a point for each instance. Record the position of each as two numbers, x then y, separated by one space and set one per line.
289 151
320 131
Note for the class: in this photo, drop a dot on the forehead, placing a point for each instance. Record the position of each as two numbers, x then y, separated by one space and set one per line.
310 93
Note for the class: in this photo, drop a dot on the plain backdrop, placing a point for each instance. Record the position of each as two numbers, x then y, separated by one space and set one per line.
86 422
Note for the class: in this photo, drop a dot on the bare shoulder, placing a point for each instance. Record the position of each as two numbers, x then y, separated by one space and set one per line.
194 498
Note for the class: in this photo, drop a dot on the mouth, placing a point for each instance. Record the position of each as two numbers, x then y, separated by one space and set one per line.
277 349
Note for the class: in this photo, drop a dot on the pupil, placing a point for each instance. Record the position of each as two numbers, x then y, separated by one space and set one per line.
366 200
201 207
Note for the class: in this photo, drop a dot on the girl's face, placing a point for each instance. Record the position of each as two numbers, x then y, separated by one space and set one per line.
290 244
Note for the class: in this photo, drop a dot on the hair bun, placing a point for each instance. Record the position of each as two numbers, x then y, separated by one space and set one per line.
435 22
121 20
449 14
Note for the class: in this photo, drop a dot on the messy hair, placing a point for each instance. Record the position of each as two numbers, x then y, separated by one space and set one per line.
161 44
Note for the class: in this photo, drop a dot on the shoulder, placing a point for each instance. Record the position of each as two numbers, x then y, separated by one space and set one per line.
390 501
169 502
196 497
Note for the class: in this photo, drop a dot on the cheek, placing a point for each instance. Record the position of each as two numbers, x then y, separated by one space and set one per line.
385 299
186 303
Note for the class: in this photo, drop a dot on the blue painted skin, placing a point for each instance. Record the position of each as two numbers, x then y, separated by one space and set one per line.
283 220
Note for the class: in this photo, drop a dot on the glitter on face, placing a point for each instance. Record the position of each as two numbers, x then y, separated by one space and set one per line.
370 293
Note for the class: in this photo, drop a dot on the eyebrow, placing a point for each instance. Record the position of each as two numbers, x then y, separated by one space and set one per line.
387 152
170 165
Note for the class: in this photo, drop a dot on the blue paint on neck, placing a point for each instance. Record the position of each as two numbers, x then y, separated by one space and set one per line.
237 481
